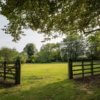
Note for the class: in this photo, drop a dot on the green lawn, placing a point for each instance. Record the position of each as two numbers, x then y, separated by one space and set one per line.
49 82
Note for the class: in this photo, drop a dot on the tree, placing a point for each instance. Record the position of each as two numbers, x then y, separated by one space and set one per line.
94 45
23 57
49 53
72 47
47 16
7 54
31 51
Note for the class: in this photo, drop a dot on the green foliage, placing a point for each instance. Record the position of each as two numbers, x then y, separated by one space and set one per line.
31 51
74 46
23 57
49 53
94 45
8 54
46 16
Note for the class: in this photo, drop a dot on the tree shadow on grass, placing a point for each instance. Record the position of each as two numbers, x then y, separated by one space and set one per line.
32 78
62 90
93 81
66 90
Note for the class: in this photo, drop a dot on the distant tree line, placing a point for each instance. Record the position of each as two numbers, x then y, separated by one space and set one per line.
74 46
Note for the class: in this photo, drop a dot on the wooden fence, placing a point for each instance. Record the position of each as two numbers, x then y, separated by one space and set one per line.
10 72
83 68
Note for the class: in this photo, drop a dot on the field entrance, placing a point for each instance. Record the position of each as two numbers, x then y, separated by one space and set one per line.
50 82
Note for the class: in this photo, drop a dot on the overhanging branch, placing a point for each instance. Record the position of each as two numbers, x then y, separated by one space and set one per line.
88 32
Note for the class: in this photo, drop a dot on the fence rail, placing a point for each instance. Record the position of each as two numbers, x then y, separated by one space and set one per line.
83 68
10 71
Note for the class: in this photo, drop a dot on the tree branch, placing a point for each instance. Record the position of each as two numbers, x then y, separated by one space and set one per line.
88 32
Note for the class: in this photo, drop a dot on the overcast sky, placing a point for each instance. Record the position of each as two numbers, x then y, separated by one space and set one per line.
31 37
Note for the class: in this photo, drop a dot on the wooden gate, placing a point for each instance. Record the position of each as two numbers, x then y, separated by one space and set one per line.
83 68
10 72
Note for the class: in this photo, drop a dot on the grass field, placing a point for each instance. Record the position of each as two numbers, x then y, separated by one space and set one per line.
50 82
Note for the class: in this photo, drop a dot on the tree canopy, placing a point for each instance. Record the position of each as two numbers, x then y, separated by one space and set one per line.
73 46
94 45
49 52
48 16
31 51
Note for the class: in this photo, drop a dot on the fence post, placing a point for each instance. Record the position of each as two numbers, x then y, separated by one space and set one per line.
5 65
18 71
92 67
70 73
82 69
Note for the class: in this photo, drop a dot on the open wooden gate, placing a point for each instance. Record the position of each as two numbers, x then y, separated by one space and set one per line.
10 72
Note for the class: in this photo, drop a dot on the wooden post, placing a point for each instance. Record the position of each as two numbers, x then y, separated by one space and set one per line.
5 65
92 67
18 72
82 69
70 73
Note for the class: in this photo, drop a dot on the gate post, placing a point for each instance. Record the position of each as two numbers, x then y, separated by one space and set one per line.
18 71
83 69
70 73
92 67
5 65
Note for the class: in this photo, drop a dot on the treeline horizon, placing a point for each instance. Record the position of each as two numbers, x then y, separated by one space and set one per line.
74 46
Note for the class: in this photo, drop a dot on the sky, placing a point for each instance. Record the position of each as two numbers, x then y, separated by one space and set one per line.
30 37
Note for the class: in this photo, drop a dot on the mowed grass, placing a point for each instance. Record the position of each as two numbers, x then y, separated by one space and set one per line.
49 82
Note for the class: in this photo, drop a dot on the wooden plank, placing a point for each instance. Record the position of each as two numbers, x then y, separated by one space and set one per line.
87 72
81 73
77 70
9 77
97 64
81 65
77 74
1 72
11 62
77 65
10 67
10 73
87 69
97 71
96 68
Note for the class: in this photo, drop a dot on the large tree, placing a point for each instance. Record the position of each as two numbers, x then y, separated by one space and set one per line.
73 47
64 16
94 45
31 51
